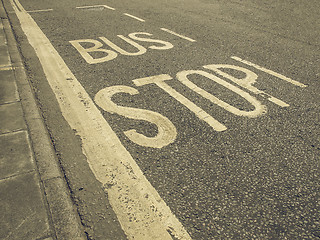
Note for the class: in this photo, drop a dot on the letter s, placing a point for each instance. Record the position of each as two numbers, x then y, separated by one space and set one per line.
166 45
166 130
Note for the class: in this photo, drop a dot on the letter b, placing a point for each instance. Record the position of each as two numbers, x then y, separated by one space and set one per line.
96 48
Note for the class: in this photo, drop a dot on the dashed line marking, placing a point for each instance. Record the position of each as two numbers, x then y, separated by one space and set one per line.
278 75
139 19
40 10
179 35
96 6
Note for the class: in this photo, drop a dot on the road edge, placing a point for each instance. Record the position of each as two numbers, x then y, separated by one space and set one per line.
64 217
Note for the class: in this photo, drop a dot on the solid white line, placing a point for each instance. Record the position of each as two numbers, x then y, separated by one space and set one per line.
278 75
43 10
139 208
5 68
178 35
139 19
96 6
278 101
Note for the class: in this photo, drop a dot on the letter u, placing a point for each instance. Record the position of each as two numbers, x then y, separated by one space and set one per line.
141 49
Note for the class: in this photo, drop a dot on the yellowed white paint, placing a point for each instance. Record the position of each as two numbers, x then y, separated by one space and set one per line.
96 6
40 10
84 52
134 17
110 54
278 75
259 108
141 49
246 82
166 45
167 132
140 210
5 67
178 35
159 80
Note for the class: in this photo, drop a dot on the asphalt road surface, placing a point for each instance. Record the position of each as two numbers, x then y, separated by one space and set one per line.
185 119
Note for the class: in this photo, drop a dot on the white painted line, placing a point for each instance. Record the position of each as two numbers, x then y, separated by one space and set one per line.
43 10
139 208
278 75
139 19
5 67
111 8
96 6
277 101
178 35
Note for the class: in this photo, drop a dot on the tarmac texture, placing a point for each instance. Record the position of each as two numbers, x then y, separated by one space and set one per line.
35 200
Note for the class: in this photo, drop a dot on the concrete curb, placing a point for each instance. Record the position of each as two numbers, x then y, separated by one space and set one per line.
65 220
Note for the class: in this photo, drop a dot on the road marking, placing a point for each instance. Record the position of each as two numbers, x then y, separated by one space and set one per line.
259 109
141 49
5 67
43 10
139 208
178 35
84 52
246 82
159 80
109 54
167 132
96 6
139 19
166 45
278 75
